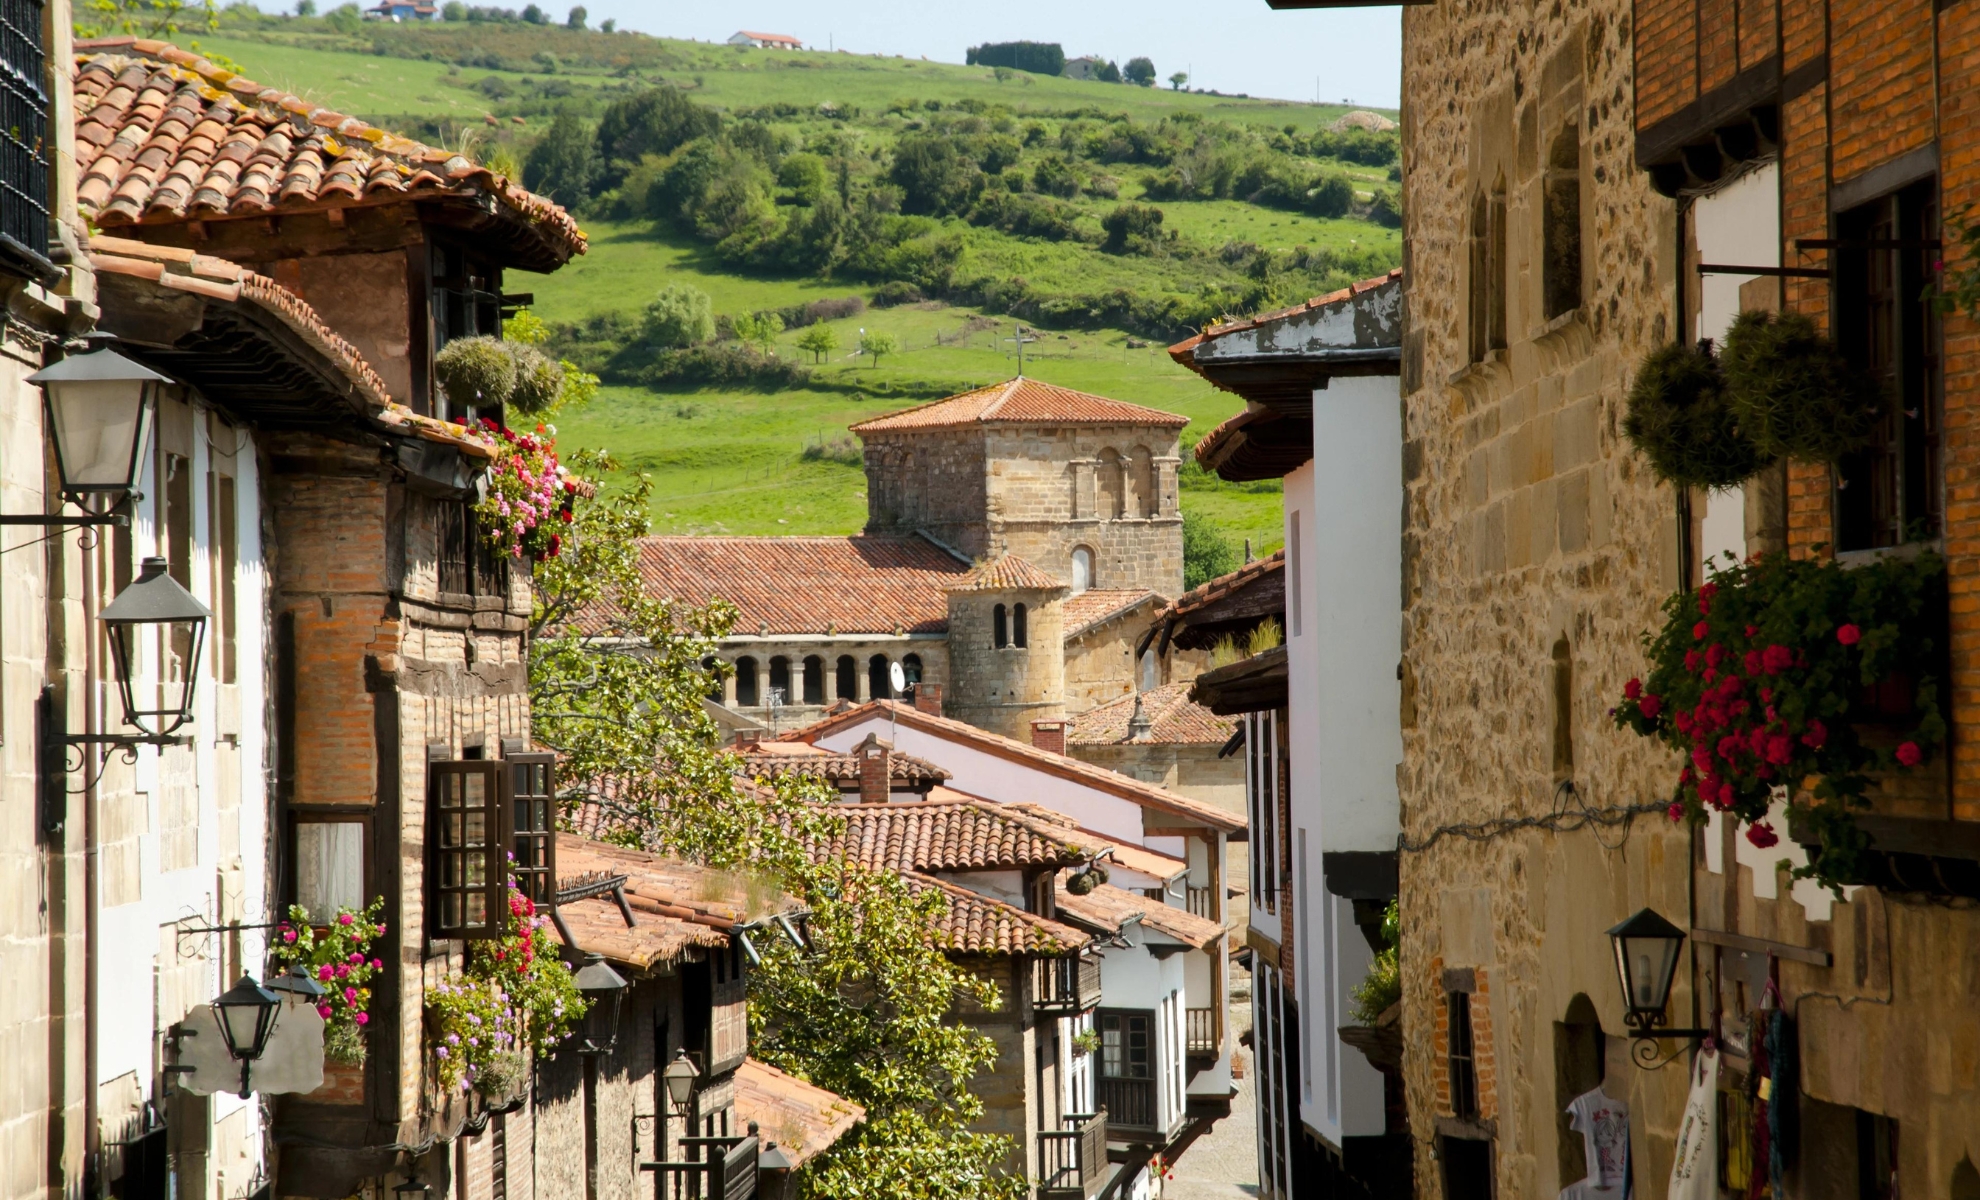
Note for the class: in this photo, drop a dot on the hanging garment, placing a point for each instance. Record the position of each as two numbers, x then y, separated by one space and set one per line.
1761 1088
1782 1087
1603 1124
1695 1167
1735 1143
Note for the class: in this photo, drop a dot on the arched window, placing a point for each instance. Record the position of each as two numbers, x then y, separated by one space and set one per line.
1562 265
1020 635
846 685
1487 290
1082 569
780 680
911 667
878 683
1579 1056
1000 627
1151 670
814 679
1563 711
746 696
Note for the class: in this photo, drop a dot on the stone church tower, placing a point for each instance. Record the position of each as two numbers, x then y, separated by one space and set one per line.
1081 486
1007 663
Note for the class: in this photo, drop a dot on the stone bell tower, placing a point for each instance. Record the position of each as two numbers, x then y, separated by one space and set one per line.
1007 665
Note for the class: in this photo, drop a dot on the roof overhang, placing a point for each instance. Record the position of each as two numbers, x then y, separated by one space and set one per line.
1255 684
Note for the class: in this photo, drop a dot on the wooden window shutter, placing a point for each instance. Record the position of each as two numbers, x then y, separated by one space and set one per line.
533 824
468 847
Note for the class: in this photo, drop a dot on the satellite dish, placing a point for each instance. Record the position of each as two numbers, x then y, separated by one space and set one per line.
897 677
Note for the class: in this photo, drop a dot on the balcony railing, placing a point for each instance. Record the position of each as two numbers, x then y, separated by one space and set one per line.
1066 985
1128 1103
1200 903
1072 1162
1200 1030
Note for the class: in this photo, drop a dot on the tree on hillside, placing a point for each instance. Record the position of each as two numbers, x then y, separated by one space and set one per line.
1207 552
1177 80
935 179
818 341
1110 73
654 122
1140 72
1331 197
143 18
535 15
345 18
305 8
877 345
759 330
608 25
577 18
1132 229
679 317
563 164
1038 58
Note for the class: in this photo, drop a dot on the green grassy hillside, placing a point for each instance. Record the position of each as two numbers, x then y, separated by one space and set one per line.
743 458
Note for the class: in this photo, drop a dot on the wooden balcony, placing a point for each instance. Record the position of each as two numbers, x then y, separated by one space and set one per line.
1201 903
1128 1103
1200 1031
1065 985
1072 1162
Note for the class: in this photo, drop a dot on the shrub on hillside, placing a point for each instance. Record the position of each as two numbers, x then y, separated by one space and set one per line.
1027 216
1038 58
934 178
656 122
679 317
1207 550
1132 229
720 366
896 292
563 164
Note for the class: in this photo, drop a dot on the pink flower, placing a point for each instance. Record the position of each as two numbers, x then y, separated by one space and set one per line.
1762 835
345 918
1691 660
350 995
1909 754
343 969
362 1018
1752 662
1676 811
288 935
1849 635
324 971
1817 734
323 1010
377 965
1779 749
355 957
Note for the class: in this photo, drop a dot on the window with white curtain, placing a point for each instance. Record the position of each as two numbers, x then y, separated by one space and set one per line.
329 868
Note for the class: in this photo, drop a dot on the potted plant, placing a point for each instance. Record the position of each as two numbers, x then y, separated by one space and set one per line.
514 995
1680 420
1792 391
1085 1042
337 954
1795 678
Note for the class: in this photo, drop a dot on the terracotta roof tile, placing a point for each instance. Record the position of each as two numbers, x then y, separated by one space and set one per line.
670 886
978 924
165 135
799 1118
1184 351
1007 573
1152 863
1020 401
1134 790
1223 585
858 584
970 835
1173 719
1108 907
768 760
1098 605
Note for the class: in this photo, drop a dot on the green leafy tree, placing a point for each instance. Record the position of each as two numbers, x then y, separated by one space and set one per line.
934 177
1177 80
144 18
577 18
1140 72
759 330
680 316
806 176
1108 73
818 341
1132 229
345 18
1207 551
654 122
563 164
305 8
534 15
453 10
877 345
1331 197
608 25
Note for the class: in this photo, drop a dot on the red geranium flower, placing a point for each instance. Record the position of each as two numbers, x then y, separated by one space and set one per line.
1762 835
1849 635
1651 705
1676 811
1700 630
1633 689
1910 755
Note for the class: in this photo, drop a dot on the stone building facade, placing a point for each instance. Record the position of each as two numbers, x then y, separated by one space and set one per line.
1539 267
1082 485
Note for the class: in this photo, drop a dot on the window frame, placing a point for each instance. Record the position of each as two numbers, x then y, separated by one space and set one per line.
1020 626
535 874
492 851
26 172
341 814
1000 627
1461 1055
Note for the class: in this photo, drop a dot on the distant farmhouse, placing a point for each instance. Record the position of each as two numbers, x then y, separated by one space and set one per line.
403 10
1020 540
764 41
1086 66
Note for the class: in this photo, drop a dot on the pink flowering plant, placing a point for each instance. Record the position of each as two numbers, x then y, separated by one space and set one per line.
1797 674
528 500
515 995
338 955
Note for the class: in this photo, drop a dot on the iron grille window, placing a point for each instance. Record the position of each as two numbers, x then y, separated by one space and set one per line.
1463 1064
533 825
23 130
468 840
1889 493
468 565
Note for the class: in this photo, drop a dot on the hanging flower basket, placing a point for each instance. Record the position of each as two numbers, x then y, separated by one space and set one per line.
1797 675
339 956
1679 419
1793 393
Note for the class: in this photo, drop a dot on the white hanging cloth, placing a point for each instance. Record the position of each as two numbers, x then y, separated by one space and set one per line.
1695 1167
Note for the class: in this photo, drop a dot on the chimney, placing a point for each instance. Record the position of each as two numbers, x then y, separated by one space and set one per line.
1139 726
876 770
1049 735
745 738
928 698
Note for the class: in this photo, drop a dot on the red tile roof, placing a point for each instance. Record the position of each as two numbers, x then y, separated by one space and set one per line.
1096 606
164 135
1108 907
1020 401
1007 573
769 760
978 924
1135 858
858 584
799 1118
671 902
1223 585
1132 790
1174 719
969 835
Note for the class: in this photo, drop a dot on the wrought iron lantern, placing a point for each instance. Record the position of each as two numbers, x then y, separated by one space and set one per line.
100 408
1647 948
156 600
679 1078
246 1015
604 990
